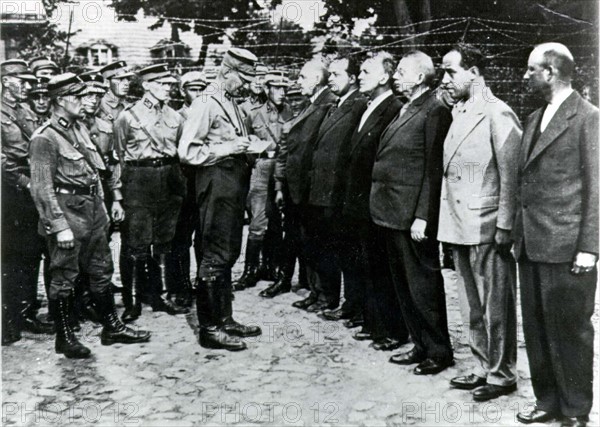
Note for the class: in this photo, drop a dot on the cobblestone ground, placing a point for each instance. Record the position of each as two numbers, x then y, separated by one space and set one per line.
301 371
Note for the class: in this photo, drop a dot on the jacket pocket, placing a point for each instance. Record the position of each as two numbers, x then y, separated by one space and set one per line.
484 202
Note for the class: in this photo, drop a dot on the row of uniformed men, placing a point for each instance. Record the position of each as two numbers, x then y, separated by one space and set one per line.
145 151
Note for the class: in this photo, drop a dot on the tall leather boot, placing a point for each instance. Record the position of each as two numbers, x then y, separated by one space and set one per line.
249 277
159 286
132 269
226 309
114 331
66 341
208 306
184 298
283 283
10 328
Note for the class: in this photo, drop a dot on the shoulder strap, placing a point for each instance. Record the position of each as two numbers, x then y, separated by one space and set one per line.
237 131
142 126
262 119
75 145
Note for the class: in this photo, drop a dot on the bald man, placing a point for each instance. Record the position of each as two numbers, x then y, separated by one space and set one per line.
556 240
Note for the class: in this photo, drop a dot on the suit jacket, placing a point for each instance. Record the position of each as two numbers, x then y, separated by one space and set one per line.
557 204
480 174
359 168
295 149
407 176
331 149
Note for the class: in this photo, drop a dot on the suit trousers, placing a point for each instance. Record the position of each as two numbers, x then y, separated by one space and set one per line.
557 307
416 273
487 287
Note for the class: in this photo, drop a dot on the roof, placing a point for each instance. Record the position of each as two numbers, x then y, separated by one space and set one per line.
22 12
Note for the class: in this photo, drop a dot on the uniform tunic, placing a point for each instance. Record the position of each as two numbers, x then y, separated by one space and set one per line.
65 185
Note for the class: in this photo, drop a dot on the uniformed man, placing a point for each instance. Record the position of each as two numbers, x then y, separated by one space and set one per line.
192 84
256 96
65 169
22 248
39 100
215 139
118 77
296 100
43 66
146 137
266 122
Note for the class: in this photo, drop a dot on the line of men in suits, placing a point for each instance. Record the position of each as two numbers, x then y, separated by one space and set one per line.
368 187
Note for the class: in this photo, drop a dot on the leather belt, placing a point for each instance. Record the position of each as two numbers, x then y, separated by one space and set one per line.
77 190
153 163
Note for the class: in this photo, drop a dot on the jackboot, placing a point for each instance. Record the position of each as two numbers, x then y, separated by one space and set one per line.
159 286
226 308
249 277
267 270
30 323
211 333
114 330
282 285
132 269
66 341
183 297
10 328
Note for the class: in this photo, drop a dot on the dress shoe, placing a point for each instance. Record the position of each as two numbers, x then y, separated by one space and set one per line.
355 322
432 367
536 415
409 358
35 326
275 289
468 382
304 303
580 421
337 314
492 391
362 335
169 307
386 344
319 306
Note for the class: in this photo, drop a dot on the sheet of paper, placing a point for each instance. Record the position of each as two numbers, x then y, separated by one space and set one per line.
257 146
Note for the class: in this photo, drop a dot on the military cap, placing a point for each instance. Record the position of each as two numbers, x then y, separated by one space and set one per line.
193 78
294 90
94 82
43 63
241 60
117 70
157 72
17 68
65 84
40 86
277 78
260 69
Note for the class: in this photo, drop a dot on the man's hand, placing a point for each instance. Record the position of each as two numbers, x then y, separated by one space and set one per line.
117 212
241 145
503 243
279 199
584 263
65 239
417 230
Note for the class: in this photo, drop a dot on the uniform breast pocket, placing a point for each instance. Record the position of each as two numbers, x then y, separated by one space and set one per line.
171 129
72 163
136 132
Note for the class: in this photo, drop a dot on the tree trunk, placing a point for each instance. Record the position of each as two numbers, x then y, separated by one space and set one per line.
403 18
425 15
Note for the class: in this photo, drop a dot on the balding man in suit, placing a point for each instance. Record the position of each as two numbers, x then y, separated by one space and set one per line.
405 200
556 240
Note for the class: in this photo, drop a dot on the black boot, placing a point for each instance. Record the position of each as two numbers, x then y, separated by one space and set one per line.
210 323
10 328
249 277
66 341
114 331
132 269
87 307
281 286
30 323
229 324
183 296
158 302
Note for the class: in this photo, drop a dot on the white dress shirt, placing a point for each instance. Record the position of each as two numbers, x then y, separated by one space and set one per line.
553 107
372 106
343 98
315 95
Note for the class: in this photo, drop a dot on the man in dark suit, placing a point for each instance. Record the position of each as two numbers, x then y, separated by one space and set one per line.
405 200
363 250
556 240
329 160
295 154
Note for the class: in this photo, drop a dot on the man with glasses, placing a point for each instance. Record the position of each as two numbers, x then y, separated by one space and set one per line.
146 137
